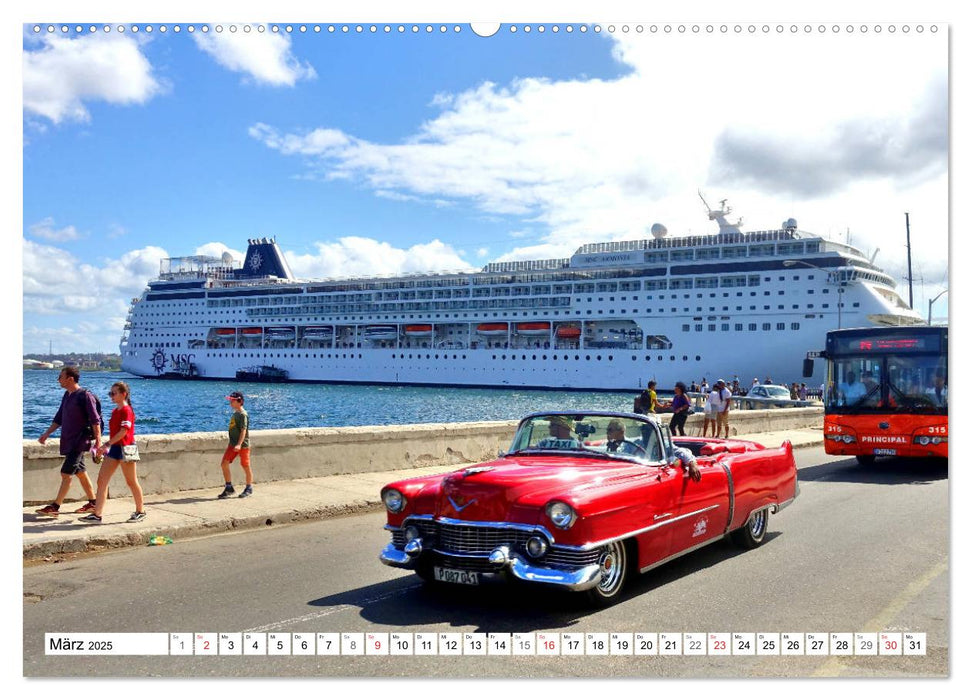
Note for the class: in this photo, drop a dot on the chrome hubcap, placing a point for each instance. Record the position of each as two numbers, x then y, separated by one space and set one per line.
611 567
758 524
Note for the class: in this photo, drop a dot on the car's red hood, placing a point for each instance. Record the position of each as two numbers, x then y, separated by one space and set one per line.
493 491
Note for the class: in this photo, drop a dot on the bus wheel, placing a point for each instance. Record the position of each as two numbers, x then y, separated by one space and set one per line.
866 460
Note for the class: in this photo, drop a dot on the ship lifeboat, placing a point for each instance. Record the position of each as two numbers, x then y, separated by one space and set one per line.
225 331
533 328
492 328
570 332
252 331
419 330
280 333
381 333
318 332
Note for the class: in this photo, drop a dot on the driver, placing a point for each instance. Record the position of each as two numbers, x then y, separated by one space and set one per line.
617 441
561 434
851 389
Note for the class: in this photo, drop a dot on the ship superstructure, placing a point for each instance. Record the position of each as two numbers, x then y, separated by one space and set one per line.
612 316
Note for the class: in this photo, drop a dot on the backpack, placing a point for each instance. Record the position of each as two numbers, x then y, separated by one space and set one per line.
88 432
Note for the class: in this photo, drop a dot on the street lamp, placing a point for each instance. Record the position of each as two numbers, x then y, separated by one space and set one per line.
829 276
930 305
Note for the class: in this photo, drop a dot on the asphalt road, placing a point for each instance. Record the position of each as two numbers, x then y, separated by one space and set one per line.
863 549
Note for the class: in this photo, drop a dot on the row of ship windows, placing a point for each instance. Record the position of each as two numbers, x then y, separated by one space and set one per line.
475 315
493 292
443 356
740 326
279 301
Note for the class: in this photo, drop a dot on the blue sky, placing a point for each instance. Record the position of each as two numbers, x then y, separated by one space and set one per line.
384 152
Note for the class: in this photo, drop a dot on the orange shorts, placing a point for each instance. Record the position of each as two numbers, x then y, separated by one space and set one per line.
230 454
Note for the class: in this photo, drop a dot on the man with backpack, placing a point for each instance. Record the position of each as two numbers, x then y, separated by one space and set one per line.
79 418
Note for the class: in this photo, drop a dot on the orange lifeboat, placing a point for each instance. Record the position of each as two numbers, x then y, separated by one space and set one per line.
533 328
225 331
492 328
570 332
252 331
418 330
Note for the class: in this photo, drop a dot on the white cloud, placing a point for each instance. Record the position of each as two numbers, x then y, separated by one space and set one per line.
818 131
353 255
62 74
45 229
264 57
55 282
216 250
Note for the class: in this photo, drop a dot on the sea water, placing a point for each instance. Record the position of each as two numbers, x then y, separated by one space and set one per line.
181 406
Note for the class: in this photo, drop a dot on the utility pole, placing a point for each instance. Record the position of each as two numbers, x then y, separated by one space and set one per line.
910 273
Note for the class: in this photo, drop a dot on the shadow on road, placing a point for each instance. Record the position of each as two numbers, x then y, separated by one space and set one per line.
890 471
513 606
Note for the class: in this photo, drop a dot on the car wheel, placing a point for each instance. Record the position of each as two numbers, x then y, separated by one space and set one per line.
615 562
752 534
866 459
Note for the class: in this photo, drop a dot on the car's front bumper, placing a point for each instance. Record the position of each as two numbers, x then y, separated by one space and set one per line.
580 579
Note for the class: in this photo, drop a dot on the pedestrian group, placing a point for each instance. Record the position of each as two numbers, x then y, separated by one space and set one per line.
80 421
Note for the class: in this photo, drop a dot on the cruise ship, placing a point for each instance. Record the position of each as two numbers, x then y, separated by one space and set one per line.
612 316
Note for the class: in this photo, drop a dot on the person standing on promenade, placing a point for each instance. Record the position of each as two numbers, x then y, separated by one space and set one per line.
80 423
120 449
681 406
720 400
238 446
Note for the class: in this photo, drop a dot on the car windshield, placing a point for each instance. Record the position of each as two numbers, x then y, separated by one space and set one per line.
610 436
776 392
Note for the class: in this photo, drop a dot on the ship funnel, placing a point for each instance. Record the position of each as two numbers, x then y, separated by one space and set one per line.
264 259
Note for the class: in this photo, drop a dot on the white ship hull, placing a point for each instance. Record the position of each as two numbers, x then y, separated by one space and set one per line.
612 317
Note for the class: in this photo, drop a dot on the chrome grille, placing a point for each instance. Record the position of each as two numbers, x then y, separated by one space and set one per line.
570 559
477 541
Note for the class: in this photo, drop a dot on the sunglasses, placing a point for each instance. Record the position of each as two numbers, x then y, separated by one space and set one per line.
113 393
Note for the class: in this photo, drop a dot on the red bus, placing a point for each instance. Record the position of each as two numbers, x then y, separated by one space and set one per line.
885 392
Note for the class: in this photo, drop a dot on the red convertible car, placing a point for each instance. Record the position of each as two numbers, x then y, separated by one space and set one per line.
581 500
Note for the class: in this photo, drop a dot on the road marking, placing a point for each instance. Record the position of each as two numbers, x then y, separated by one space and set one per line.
331 611
834 665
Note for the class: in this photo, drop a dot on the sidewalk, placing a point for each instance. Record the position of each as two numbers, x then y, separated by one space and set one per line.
187 514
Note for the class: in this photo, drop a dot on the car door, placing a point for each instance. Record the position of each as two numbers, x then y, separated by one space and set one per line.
701 506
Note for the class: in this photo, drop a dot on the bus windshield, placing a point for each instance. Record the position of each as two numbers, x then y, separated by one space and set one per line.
891 381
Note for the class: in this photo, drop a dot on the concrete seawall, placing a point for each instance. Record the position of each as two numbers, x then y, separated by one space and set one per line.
187 461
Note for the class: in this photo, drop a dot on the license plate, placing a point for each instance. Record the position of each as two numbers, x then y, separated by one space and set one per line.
886 451
469 578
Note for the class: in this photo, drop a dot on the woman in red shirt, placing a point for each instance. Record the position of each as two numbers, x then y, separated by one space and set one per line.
119 449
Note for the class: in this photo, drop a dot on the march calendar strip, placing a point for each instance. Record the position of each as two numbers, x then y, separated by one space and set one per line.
538 644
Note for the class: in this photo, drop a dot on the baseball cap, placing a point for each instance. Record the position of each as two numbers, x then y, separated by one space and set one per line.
238 395
720 381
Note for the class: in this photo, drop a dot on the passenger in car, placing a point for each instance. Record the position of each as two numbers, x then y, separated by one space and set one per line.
561 434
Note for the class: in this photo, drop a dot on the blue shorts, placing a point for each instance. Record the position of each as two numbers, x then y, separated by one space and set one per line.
115 452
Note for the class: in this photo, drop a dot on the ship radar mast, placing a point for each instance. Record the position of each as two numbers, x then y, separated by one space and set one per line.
718 215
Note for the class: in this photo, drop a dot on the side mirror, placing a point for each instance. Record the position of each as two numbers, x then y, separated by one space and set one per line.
807 367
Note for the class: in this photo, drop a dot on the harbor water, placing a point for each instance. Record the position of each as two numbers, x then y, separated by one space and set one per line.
178 406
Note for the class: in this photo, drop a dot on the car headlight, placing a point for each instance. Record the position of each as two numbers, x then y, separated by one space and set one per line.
561 514
394 501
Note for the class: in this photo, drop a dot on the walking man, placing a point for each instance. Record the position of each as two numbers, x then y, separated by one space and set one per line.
80 424
238 446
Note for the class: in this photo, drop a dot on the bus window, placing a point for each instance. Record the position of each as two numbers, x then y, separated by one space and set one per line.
917 382
854 382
